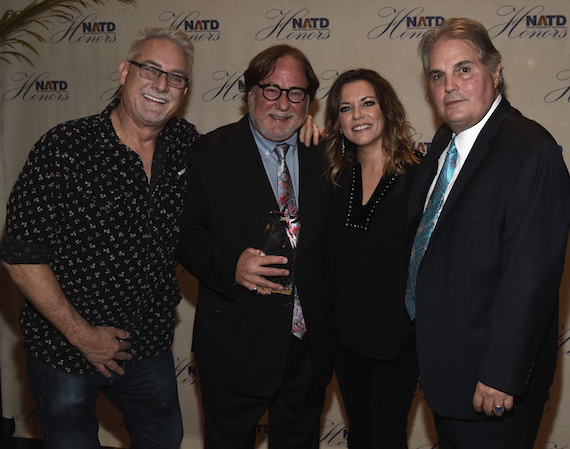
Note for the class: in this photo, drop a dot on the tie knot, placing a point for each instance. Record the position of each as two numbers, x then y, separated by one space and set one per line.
452 146
281 150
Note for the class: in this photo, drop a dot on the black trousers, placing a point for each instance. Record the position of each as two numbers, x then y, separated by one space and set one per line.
508 432
231 417
377 395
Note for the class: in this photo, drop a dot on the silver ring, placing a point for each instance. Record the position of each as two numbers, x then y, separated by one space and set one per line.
315 125
254 289
498 409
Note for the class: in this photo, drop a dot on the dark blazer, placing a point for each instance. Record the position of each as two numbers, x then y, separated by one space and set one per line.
487 288
240 339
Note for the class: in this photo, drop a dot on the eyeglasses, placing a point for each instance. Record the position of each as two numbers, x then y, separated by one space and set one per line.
272 92
152 73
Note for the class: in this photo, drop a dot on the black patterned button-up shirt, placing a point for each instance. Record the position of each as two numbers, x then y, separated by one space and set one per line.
83 204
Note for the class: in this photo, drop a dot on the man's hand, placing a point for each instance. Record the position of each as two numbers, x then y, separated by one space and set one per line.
310 130
103 346
252 267
491 401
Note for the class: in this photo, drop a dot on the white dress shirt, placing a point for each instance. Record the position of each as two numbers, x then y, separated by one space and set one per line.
464 141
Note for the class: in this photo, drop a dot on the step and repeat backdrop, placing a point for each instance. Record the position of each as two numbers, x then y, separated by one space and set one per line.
75 74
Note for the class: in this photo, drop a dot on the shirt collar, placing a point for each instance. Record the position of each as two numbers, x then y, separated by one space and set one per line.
465 140
266 147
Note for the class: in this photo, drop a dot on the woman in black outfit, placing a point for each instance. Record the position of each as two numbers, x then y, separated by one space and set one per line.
371 159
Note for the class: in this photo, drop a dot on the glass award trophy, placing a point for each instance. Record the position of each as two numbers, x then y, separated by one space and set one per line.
280 240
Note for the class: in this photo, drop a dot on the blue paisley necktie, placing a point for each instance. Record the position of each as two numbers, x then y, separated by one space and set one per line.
427 224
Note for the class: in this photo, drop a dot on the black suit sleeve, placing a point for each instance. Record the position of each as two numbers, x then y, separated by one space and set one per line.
210 260
533 250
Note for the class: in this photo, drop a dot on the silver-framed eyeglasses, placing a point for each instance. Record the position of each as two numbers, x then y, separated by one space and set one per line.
152 73
272 92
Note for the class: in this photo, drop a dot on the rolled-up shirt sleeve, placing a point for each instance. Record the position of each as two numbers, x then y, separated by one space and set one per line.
33 209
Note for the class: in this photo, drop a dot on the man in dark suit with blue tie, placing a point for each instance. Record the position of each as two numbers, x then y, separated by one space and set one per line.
256 350
488 227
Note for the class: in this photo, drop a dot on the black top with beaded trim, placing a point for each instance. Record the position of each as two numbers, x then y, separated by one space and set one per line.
369 269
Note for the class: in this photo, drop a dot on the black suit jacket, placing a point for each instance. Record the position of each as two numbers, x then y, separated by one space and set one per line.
487 287
241 340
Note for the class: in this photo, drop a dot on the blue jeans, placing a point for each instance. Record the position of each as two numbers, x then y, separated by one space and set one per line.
146 394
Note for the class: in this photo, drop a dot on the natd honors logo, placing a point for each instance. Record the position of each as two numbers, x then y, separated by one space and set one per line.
561 93
37 87
196 28
530 22
229 86
404 23
327 78
113 91
564 340
422 147
86 29
333 433
294 25
186 371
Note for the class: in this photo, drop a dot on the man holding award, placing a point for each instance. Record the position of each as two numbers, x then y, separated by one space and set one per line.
254 234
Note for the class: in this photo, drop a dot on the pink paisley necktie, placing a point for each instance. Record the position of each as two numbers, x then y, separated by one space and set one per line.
288 206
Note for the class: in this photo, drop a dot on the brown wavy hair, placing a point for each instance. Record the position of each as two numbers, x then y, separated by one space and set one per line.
262 65
396 136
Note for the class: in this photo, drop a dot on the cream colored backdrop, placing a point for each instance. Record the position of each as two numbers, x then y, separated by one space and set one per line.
75 74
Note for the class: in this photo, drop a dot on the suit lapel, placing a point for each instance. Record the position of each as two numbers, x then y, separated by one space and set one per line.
427 172
477 154
245 155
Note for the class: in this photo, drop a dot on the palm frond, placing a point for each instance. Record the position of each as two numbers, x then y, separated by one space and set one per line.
14 25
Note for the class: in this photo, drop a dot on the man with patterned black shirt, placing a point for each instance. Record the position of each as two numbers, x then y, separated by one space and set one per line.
90 238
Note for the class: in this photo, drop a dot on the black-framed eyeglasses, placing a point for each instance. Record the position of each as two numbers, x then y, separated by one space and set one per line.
152 73
272 92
